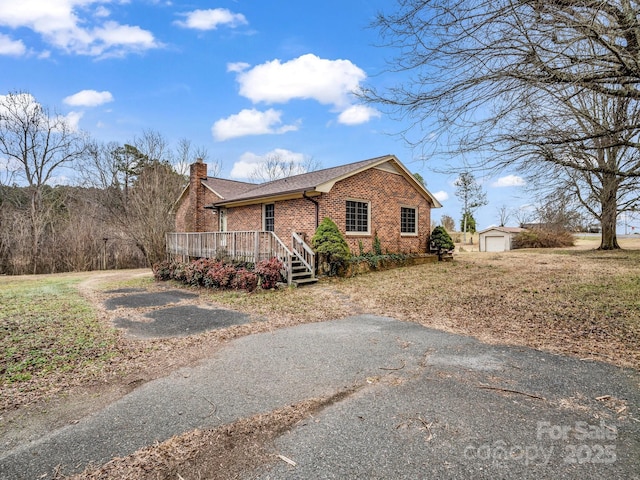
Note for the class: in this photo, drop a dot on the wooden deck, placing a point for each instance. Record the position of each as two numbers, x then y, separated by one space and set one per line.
251 246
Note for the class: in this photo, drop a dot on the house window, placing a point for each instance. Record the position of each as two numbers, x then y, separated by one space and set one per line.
269 217
408 224
357 217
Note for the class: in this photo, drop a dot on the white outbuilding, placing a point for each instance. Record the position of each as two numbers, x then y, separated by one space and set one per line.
497 239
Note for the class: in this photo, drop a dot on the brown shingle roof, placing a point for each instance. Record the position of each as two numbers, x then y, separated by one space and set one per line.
302 182
318 181
227 188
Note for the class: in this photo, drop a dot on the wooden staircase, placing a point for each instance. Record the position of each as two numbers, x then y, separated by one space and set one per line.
303 262
300 274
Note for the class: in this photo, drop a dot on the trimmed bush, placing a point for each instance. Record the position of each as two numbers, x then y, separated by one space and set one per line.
440 239
541 238
331 246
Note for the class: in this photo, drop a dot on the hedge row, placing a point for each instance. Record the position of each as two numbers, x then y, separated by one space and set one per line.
541 238
215 274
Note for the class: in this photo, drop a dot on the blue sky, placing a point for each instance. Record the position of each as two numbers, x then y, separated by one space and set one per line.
244 79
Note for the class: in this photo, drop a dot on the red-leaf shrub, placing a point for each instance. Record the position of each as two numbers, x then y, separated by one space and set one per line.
269 272
162 271
219 275
196 271
211 273
245 280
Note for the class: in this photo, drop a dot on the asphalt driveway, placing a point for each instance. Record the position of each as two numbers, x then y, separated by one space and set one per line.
431 405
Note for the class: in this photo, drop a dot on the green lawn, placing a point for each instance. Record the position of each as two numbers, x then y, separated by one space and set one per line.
47 327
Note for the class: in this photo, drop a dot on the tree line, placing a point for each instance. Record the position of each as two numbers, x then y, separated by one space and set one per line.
550 89
70 203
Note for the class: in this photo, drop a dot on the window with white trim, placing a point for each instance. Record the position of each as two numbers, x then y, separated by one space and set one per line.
269 217
357 217
408 221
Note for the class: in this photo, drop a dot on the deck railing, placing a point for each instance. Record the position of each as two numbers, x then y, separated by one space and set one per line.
239 246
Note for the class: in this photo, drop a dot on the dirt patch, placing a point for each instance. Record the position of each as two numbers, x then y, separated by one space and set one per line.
226 452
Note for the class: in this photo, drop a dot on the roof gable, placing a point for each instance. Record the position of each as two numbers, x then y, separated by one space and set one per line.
504 229
322 181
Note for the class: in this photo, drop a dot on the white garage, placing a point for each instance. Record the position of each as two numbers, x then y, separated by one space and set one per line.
497 239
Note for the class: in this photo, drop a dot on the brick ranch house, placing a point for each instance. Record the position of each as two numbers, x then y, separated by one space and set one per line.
375 197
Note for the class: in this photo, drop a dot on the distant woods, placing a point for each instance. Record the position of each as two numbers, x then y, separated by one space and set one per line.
69 203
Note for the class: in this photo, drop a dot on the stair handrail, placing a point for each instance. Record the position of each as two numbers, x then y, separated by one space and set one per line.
304 253
283 251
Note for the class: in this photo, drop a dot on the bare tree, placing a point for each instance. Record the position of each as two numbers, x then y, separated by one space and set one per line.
137 186
560 210
448 223
481 68
276 166
522 215
583 143
186 154
504 214
40 145
472 197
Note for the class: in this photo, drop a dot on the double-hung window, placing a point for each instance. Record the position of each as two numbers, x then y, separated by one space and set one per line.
269 217
358 217
408 221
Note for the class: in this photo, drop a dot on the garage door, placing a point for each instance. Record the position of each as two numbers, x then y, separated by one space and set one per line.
494 244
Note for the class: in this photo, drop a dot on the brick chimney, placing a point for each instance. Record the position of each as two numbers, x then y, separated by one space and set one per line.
197 173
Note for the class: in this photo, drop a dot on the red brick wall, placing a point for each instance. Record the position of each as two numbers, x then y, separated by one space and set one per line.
387 192
297 215
186 216
244 219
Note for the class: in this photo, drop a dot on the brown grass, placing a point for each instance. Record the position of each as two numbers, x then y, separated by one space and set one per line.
225 452
576 301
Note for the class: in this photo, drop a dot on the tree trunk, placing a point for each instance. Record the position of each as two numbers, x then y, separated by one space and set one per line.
464 229
609 215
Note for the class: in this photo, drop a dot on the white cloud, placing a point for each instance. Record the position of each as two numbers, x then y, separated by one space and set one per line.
250 122
237 67
75 26
73 120
211 19
250 162
357 114
102 12
11 47
441 196
88 98
509 181
330 82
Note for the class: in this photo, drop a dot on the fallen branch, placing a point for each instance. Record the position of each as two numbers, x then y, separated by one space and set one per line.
287 460
507 390
428 427
391 368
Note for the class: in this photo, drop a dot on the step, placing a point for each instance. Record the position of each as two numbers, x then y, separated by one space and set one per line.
304 281
302 274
